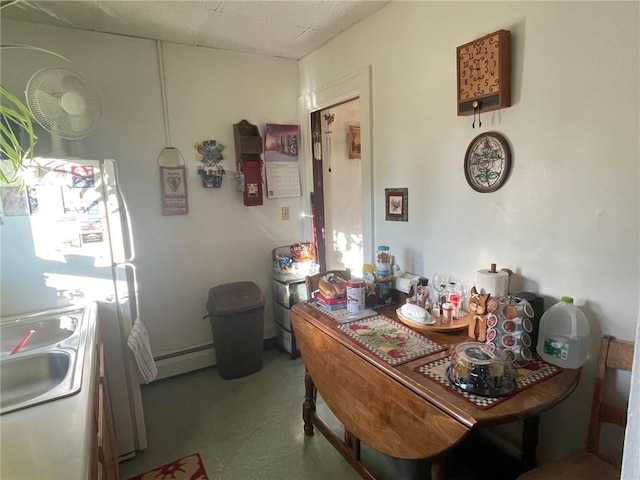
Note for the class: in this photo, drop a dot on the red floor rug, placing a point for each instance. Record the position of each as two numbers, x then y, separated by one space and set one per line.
186 468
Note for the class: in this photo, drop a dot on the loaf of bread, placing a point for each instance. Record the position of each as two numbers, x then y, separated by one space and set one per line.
332 286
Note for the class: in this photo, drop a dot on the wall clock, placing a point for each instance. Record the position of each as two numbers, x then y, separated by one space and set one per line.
484 73
487 162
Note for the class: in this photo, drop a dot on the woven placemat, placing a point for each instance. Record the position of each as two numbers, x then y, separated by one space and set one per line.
342 314
532 373
389 340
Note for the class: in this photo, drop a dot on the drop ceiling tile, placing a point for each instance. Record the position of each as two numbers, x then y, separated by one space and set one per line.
231 32
298 13
178 22
347 15
287 28
76 14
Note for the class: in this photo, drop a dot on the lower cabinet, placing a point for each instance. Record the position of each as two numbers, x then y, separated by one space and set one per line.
105 465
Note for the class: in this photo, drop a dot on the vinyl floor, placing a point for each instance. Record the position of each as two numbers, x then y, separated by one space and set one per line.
249 428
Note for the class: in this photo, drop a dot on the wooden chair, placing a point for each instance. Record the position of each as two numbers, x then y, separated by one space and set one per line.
312 281
593 464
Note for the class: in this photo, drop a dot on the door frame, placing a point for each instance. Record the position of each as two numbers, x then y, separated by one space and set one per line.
355 85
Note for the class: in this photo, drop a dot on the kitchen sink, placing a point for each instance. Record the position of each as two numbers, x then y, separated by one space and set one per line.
46 332
36 378
47 360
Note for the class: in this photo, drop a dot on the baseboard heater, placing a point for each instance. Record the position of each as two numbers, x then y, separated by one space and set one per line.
185 361
191 359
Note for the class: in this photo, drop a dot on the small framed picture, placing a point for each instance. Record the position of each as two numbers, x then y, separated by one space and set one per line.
353 139
397 204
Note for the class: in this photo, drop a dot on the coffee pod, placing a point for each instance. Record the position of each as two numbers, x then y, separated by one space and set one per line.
509 355
522 353
508 341
524 338
491 334
508 326
492 320
527 309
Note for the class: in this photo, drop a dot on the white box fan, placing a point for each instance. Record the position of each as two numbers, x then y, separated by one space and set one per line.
65 104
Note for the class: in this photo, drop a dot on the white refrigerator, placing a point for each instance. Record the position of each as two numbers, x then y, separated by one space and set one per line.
66 239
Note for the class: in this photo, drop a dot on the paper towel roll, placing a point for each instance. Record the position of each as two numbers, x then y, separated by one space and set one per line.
494 283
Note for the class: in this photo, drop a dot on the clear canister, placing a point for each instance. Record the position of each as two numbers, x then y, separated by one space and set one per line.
383 261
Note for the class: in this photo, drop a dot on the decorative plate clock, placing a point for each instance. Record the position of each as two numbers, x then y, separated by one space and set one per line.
484 73
487 162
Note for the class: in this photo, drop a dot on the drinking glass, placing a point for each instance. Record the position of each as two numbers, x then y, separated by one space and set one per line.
463 288
440 285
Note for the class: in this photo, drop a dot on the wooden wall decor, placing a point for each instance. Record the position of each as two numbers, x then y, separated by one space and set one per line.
249 147
484 73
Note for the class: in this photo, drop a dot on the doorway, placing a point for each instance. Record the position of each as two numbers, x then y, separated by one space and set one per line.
356 85
337 192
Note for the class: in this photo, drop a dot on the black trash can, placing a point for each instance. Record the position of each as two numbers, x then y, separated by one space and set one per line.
236 311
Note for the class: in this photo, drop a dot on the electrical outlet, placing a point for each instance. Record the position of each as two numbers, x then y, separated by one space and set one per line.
285 213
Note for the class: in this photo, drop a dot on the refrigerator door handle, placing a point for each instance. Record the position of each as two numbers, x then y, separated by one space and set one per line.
126 294
124 219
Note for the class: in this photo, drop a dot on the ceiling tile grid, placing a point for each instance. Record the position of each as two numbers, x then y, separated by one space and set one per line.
288 29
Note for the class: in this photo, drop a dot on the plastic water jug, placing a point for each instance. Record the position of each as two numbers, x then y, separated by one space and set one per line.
563 336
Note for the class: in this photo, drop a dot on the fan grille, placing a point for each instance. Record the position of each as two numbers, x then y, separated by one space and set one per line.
63 102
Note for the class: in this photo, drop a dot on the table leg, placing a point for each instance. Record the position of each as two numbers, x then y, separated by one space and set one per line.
309 405
352 443
530 442
439 466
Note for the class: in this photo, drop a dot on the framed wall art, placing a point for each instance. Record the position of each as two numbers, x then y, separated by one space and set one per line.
353 139
487 162
174 191
397 204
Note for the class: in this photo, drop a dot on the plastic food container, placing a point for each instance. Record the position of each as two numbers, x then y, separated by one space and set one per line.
383 261
563 338
356 294
475 368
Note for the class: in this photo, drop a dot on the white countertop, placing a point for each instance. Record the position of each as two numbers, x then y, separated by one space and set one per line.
54 440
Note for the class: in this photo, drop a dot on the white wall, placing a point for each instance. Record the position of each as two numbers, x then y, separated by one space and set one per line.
567 219
220 240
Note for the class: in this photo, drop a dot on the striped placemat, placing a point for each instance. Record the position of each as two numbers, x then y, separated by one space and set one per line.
389 340
532 373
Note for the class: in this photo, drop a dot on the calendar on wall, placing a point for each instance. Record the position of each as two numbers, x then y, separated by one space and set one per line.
282 167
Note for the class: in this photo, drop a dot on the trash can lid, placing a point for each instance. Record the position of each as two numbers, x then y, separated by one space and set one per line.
234 297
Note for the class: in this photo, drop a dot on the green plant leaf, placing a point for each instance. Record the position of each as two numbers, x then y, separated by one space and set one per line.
15 118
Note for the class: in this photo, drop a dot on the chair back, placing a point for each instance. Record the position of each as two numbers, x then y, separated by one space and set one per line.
614 355
312 281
